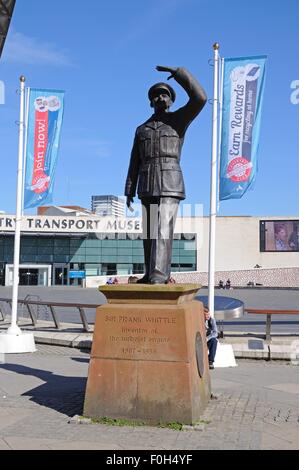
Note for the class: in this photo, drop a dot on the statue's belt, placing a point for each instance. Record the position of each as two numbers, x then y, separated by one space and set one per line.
160 160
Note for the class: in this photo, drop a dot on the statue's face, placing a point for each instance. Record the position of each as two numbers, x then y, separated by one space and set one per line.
161 100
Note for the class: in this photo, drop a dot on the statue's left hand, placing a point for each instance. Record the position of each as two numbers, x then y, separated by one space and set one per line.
171 70
130 200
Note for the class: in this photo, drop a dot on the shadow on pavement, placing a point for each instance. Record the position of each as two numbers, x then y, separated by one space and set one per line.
61 393
81 359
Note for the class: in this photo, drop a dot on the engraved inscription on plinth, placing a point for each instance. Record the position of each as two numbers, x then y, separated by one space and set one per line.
137 333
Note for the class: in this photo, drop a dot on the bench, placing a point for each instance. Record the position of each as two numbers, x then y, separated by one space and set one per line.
269 314
51 306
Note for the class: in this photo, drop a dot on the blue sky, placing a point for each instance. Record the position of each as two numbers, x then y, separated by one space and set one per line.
104 55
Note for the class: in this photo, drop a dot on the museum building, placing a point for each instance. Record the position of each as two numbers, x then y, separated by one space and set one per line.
54 248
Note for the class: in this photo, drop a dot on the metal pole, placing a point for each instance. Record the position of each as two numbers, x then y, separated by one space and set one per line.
25 144
14 329
213 190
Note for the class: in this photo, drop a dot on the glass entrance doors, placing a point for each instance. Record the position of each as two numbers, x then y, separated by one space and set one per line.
28 277
60 275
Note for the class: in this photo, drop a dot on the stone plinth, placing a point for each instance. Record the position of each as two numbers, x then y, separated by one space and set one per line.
149 356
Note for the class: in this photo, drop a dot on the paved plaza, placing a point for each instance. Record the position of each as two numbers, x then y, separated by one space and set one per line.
257 407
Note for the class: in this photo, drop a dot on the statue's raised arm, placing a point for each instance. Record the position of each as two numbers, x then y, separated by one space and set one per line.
195 91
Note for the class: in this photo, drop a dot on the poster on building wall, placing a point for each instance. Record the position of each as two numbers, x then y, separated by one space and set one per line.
279 235
243 89
45 116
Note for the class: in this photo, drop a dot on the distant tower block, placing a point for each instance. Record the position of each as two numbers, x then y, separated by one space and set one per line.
108 205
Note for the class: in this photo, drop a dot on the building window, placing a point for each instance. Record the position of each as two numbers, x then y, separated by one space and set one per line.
2 274
181 267
109 269
138 268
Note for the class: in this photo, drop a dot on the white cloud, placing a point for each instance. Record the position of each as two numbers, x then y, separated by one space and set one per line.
29 50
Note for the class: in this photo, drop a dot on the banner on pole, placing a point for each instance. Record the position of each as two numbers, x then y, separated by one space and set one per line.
243 89
45 115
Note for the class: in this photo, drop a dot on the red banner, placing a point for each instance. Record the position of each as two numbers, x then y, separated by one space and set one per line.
40 181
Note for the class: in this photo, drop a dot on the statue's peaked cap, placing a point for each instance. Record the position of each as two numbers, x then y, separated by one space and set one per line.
163 86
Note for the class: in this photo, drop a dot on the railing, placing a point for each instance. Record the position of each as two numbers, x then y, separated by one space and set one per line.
81 308
269 314
52 305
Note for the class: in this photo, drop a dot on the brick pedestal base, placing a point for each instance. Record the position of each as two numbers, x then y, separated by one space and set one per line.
149 359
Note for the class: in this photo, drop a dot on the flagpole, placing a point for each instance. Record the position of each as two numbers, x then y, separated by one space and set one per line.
14 340
213 189
14 329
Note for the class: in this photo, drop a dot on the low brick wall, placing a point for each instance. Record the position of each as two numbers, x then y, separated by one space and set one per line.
276 277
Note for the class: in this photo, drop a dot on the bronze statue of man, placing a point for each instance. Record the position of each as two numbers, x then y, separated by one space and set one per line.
155 166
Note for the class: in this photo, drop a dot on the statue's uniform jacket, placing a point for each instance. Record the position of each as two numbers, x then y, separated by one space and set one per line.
156 153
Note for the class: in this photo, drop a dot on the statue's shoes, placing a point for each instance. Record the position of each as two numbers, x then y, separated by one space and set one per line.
157 281
142 280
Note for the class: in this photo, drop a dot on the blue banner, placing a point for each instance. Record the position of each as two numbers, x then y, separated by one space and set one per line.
243 89
45 115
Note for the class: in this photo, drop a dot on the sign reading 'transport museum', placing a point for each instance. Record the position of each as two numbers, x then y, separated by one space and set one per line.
72 224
